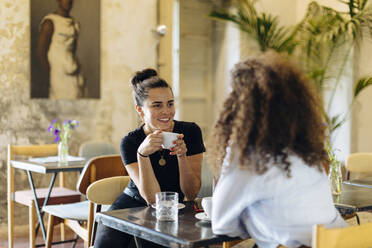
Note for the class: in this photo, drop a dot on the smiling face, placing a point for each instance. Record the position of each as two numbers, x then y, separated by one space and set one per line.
158 110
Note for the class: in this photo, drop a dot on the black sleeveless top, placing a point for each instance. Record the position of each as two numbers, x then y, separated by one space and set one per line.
167 175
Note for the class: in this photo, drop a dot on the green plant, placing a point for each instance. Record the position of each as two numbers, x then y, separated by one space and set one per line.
323 40
262 27
327 38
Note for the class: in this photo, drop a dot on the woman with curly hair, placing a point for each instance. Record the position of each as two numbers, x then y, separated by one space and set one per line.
267 149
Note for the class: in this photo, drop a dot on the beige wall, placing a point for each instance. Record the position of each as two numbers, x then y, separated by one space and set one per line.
362 114
285 9
127 45
231 46
226 53
195 84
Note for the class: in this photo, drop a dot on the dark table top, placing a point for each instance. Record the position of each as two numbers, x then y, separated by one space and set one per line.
354 197
49 167
188 231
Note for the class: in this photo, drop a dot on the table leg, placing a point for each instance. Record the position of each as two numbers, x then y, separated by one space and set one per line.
138 242
38 209
50 188
51 184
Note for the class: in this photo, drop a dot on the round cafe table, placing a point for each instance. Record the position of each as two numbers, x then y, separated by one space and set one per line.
353 198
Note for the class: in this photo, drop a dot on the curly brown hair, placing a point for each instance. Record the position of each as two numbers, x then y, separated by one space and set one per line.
270 113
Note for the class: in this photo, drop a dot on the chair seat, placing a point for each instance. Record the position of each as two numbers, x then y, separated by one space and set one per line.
58 195
71 211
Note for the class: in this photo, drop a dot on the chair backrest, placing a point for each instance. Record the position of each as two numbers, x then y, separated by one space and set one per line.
352 236
107 190
359 162
104 192
29 151
98 168
92 149
32 150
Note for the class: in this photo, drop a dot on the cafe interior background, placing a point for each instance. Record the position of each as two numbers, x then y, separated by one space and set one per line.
196 54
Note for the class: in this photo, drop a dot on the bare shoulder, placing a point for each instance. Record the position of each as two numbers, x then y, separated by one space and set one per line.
47 26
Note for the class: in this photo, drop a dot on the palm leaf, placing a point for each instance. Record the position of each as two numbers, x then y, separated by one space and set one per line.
336 122
362 84
264 28
223 16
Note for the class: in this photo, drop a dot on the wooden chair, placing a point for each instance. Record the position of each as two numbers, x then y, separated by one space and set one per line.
90 149
347 237
79 216
230 244
105 192
25 197
358 162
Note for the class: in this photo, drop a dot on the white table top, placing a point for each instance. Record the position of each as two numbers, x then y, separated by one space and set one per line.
48 167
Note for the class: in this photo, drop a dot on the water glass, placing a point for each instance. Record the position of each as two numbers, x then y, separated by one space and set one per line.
166 206
168 227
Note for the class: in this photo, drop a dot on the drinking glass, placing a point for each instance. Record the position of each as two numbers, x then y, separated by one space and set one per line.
166 206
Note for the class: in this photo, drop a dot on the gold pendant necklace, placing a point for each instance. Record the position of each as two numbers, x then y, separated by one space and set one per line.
162 160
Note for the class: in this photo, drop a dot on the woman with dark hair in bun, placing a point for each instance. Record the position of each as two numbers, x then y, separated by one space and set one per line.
151 168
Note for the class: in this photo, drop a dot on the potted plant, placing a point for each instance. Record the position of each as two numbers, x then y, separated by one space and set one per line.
323 36
62 133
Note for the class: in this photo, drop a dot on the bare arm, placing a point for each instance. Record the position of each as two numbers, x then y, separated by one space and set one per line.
190 169
141 172
43 44
143 176
190 174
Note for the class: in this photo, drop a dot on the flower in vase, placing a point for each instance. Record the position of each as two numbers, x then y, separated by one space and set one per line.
61 130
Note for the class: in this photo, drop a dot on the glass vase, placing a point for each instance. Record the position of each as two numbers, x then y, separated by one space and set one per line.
335 177
63 152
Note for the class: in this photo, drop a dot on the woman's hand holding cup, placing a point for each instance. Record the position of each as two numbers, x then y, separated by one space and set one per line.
152 143
175 143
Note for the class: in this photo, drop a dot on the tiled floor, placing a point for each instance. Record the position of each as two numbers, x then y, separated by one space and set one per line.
21 239
23 242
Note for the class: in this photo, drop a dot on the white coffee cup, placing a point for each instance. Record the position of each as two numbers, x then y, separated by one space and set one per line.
207 206
168 139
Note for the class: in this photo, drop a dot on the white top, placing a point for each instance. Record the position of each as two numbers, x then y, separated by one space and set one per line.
65 83
272 208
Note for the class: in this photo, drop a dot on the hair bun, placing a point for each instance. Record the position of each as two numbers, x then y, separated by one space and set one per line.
143 75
